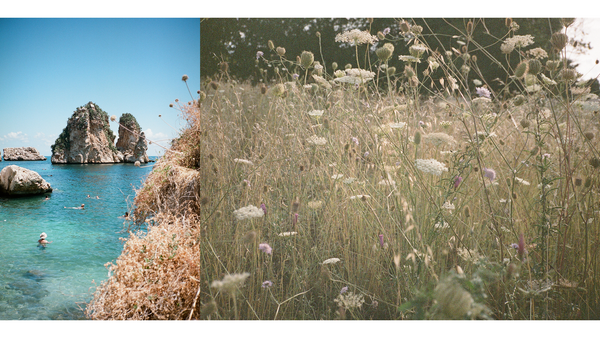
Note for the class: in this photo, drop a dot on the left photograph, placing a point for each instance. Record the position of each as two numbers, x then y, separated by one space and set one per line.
88 107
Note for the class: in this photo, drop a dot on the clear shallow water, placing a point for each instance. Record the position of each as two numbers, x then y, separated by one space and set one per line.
55 282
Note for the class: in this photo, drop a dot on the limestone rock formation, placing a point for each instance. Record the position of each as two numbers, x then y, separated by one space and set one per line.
87 138
17 181
22 154
132 142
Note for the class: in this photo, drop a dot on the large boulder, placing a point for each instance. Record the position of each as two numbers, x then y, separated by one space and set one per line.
22 154
132 142
87 138
17 181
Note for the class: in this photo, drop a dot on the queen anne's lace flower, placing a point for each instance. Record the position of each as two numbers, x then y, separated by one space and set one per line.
430 166
330 261
356 37
248 212
240 160
287 234
517 41
230 283
349 300
316 140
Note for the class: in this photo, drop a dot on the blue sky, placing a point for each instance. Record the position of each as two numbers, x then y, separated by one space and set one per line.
49 67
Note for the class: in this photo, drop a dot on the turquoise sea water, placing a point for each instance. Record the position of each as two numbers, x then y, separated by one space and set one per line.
56 282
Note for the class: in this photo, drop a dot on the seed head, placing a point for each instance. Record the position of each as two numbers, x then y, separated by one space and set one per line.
559 40
521 69
184 78
280 51
307 59
535 66
589 135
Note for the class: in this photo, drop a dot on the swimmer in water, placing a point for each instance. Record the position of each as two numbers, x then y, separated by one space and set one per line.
81 207
42 241
47 198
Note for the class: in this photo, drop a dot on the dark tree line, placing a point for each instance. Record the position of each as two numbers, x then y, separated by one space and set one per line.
237 41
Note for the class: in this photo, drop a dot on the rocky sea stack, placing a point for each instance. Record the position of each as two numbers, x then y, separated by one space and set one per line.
22 154
87 138
132 144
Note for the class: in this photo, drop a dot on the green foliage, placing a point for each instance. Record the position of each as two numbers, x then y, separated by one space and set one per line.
127 120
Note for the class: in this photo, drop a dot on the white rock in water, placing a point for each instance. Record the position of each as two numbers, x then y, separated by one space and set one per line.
17 181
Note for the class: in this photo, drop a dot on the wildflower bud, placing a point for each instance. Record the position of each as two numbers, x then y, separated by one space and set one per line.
474 58
416 30
348 66
417 138
306 59
184 78
567 21
224 66
469 27
588 135
113 118
519 100
514 195
385 53
404 27
263 89
391 71
508 182
508 22
534 151
413 81
552 65
511 271
280 51
318 34
380 35
214 85
568 74
467 211
578 181
271 45
202 96
535 66
465 69
334 66
409 71
595 162
521 69
588 182
296 205
326 123
559 40
501 142
463 50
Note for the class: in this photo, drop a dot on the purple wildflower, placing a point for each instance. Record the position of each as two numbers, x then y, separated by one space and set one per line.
514 245
343 290
366 154
381 240
457 181
546 155
355 140
259 54
295 76
489 173
295 219
267 284
266 248
386 31
483 92
264 208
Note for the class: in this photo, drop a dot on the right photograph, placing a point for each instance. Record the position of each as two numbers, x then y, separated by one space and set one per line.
391 169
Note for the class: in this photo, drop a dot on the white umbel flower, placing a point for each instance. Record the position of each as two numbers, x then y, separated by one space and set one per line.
287 234
316 140
230 283
241 160
247 212
356 37
438 139
330 261
430 166
316 113
349 300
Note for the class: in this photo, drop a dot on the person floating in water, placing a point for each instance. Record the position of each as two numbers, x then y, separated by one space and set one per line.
81 207
126 216
47 198
42 241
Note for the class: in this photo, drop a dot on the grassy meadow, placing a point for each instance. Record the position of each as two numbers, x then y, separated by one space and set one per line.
368 192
